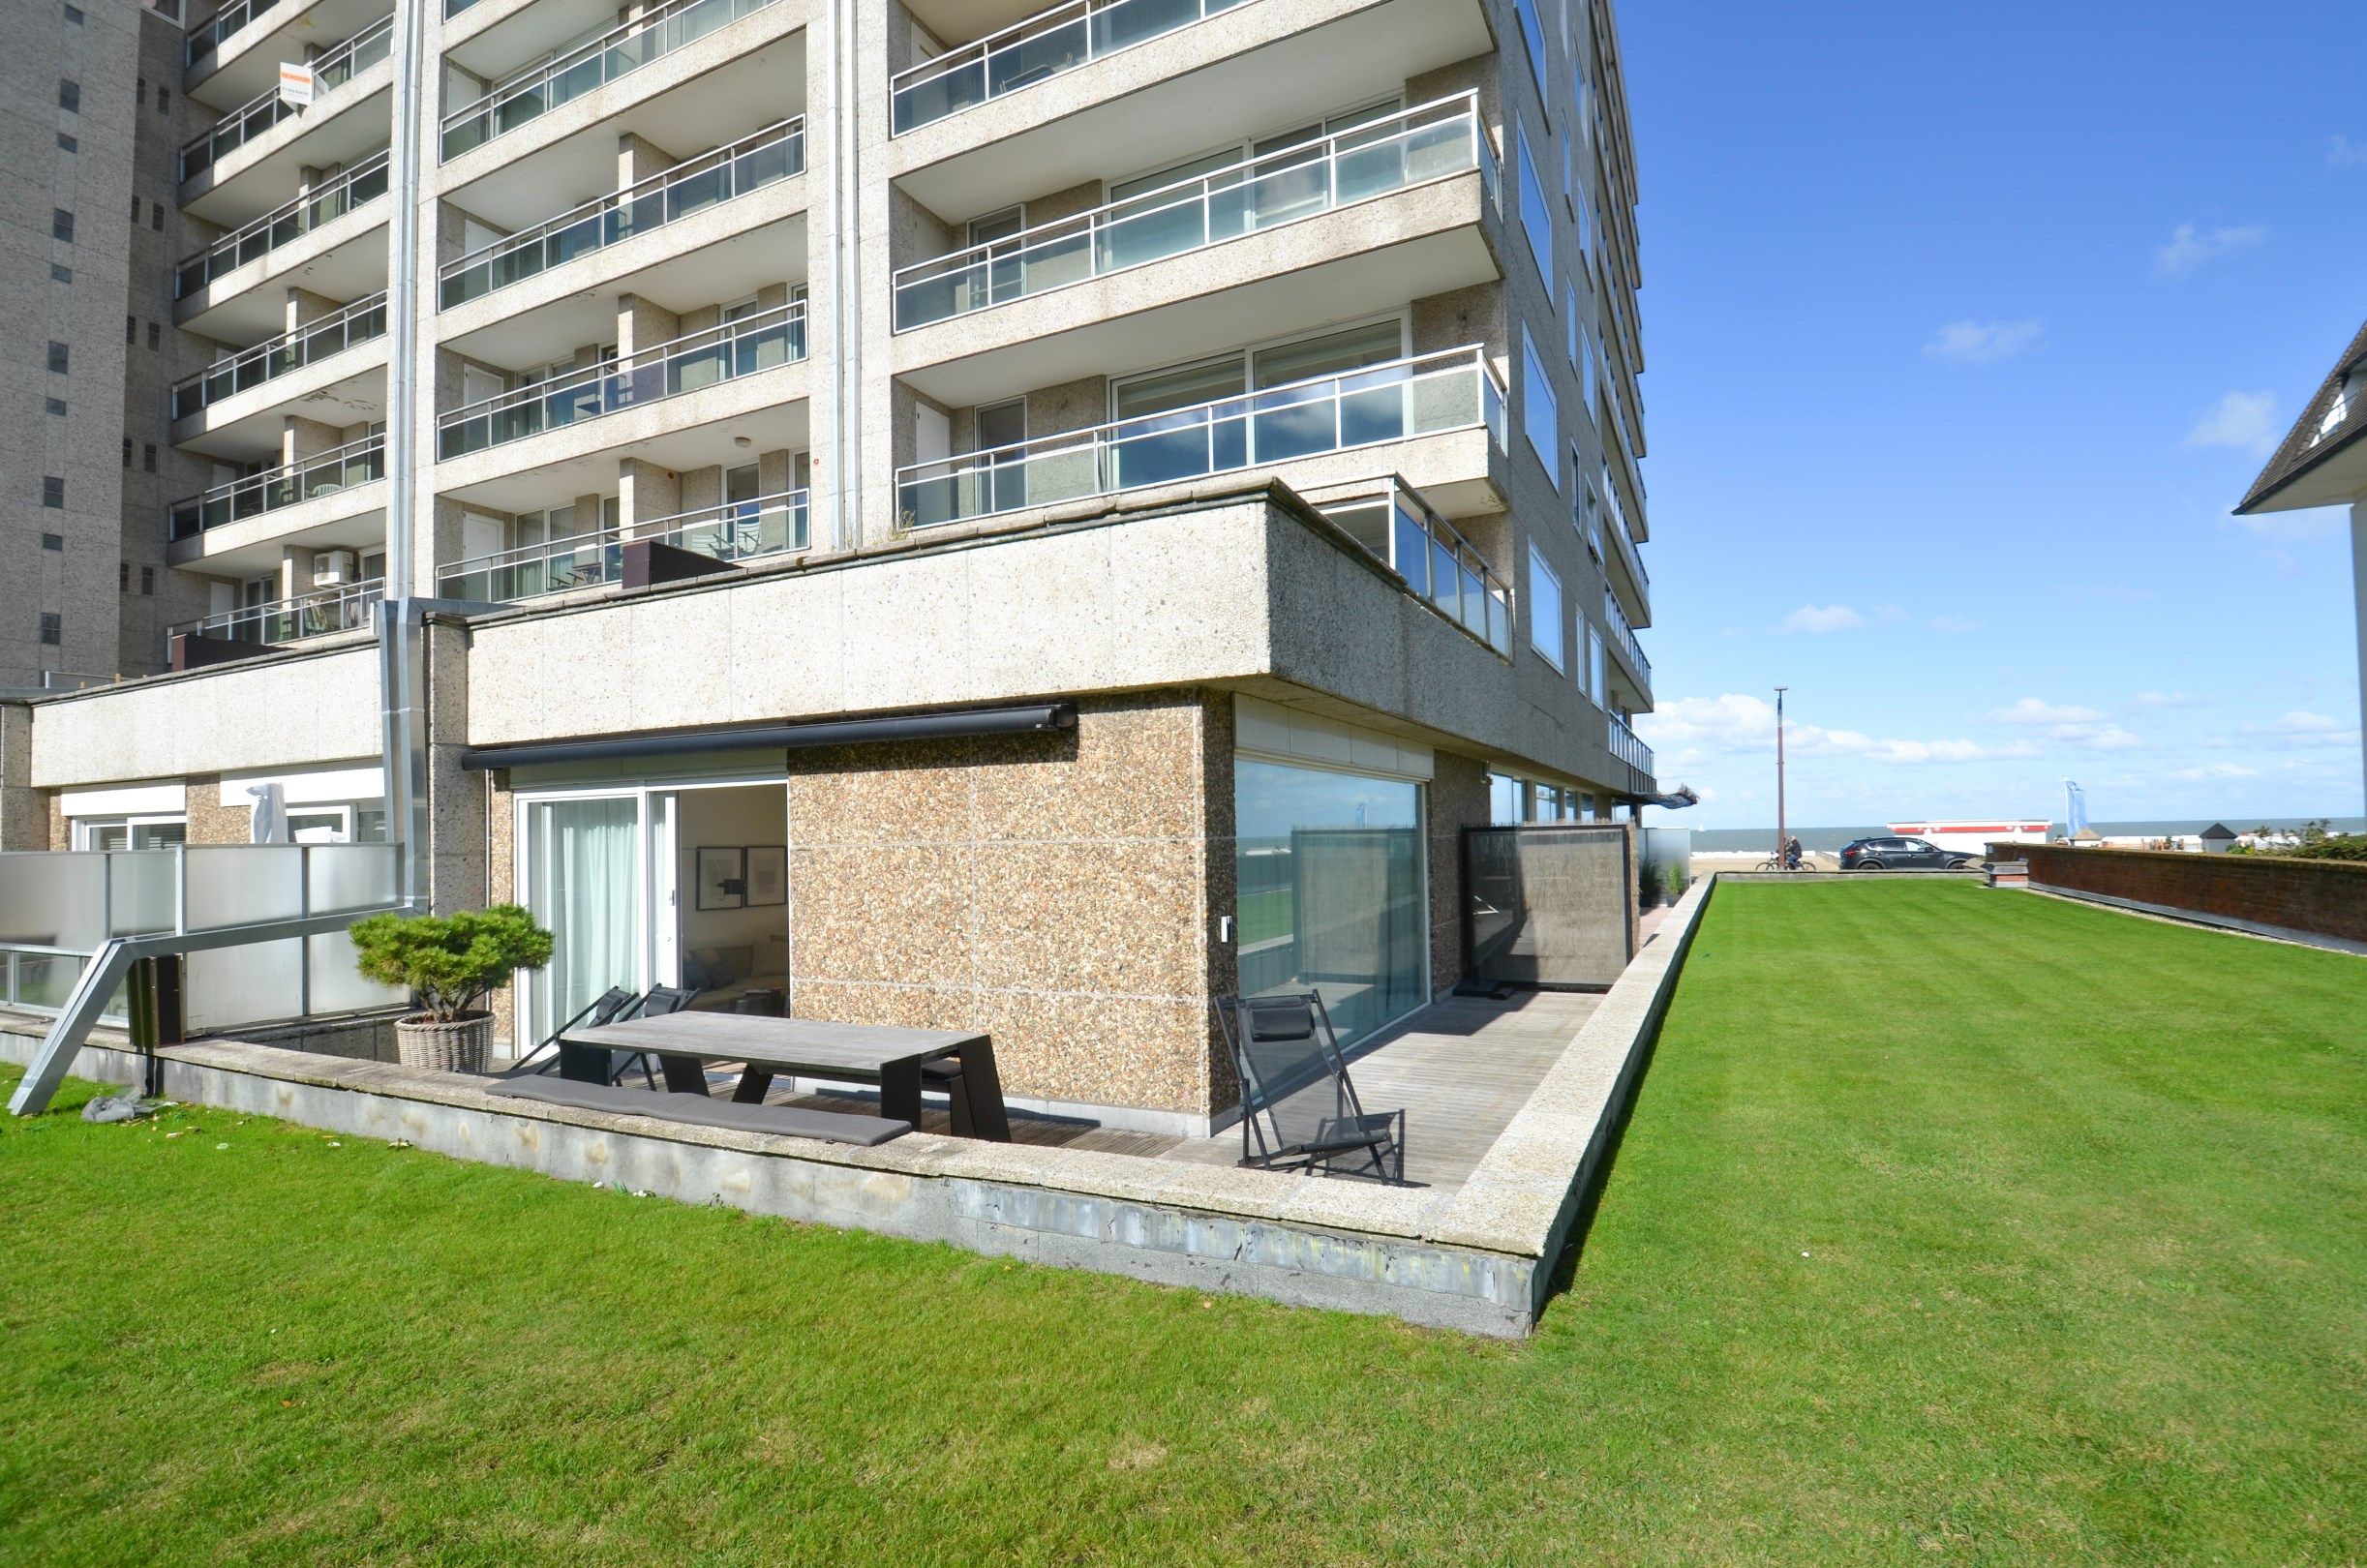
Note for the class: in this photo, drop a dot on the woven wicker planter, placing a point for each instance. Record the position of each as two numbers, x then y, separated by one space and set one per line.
446 1047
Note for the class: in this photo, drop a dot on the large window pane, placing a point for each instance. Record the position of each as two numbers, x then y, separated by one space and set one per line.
1332 891
583 883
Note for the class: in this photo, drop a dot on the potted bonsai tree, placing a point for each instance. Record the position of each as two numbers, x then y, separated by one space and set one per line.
448 963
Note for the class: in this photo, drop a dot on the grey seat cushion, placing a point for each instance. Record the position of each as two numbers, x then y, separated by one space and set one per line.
832 1127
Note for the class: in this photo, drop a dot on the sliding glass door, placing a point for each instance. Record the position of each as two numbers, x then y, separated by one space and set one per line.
583 865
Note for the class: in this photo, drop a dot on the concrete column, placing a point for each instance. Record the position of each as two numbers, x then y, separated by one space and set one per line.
2358 588
304 307
296 571
24 816
587 513
638 158
646 493
702 487
301 437
455 795
775 472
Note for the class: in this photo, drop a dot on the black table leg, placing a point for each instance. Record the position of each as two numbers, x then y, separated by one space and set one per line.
899 1092
988 1118
754 1080
683 1074
583 1064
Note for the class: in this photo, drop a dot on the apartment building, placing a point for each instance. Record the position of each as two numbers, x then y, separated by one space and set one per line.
2323 462
948 511
88 219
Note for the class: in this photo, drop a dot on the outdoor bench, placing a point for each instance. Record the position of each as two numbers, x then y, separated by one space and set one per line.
830 1126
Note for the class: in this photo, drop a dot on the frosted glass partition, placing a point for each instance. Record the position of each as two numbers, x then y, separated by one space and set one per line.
339 877
140 888
254 983
332 984
243 883
52 900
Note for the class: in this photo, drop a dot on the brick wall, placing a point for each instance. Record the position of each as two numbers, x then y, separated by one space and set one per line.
2324 898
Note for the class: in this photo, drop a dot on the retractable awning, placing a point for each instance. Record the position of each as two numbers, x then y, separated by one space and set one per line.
948 724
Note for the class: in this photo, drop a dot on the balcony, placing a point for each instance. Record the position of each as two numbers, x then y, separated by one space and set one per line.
331 474
694 186
667 369
1627 748
321 612
529 96
1087 92
274 364
1437 564
343 210
1425 395
210 163
752 529
1432 142
1624 639
1045 46
235 57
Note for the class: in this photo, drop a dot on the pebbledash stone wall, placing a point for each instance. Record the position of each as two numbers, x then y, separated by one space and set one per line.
2327 898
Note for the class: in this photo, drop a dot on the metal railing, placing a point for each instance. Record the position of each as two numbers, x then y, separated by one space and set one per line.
340 469
208 36
1420 396
1030 51
320 613
59 908
266 109
736 531
357 186
687 363
362 321
1627 747
537 90
1623 635
694 185
1438 565
1432 142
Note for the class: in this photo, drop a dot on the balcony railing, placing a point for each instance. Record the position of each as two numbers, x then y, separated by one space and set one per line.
1437 563
1627 747
1026 52
666 370
341 469
350 607
736 531
621 50
770 156
1624 635
357 186
1434 141
362 321
208 36
258 115
1421 396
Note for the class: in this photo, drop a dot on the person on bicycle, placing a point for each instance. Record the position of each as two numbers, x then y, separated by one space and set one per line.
1791 853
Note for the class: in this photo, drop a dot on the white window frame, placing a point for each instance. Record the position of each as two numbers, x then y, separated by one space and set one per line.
1541 574
1596 687
1536 388
1540 234
84 827
1245 354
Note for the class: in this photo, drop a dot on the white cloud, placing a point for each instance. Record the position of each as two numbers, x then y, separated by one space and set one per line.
1890 612
1688 729
2245 420
2167 699
2036 711
1984 342
2343 153
2190 247
2301 729
1830 618
1955 626
2218 771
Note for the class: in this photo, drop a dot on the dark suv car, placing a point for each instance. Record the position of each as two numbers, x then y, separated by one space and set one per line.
1902 853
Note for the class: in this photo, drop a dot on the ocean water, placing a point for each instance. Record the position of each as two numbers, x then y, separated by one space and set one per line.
1713 840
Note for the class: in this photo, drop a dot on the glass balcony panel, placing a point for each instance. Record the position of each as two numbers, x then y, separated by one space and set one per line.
1294 427
1145 233
46 980
1411 547
1372 414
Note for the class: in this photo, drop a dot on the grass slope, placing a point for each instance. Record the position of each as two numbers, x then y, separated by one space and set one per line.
1952 1226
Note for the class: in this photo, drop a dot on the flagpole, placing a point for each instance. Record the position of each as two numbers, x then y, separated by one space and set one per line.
1782 840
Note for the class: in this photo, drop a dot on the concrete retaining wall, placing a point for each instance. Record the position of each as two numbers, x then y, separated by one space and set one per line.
2318 902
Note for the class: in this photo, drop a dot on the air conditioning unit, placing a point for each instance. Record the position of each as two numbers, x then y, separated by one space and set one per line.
335 568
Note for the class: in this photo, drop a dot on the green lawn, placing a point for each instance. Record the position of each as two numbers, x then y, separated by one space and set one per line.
1952 1226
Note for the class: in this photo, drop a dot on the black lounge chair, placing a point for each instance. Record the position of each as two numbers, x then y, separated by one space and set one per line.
683 1077
1299 1109
607 1007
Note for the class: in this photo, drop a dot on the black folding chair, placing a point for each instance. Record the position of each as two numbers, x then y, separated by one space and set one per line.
606 1007
1299 1110
688 1077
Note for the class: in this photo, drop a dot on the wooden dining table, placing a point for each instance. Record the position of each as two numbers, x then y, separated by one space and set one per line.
888 1055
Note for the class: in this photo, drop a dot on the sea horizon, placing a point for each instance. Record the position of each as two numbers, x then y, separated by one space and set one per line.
1714 840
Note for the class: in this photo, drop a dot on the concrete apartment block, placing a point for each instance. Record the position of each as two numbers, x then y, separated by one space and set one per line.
939 512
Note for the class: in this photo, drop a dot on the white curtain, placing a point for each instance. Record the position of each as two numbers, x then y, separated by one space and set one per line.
586 887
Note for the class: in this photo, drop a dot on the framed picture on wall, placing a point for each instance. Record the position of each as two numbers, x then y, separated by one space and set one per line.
722 877
768 874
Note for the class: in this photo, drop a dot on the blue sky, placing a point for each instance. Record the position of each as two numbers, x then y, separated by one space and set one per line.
1964 328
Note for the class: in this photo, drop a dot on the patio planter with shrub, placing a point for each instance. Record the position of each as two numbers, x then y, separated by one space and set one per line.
449 963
